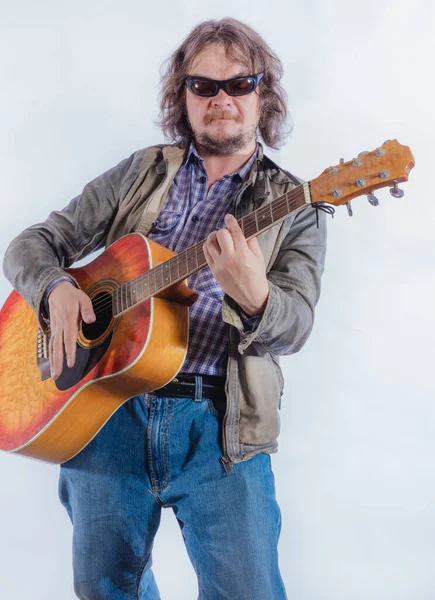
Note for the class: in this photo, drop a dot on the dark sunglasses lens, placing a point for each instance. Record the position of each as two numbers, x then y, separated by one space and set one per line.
203 88
241 86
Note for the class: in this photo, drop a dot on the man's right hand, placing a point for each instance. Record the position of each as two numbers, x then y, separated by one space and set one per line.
68 306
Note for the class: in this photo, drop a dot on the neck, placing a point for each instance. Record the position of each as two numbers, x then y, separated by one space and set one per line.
192 259
217 166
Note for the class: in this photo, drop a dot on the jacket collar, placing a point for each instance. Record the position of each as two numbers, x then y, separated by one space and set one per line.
263 169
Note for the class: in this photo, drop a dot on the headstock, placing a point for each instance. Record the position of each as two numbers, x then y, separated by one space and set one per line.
385 166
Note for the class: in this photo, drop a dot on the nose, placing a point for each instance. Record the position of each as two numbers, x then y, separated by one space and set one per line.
221 99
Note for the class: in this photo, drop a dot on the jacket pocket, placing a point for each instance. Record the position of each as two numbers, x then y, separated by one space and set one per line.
275 360
259 397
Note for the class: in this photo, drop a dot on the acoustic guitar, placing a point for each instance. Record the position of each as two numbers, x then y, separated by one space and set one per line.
139 340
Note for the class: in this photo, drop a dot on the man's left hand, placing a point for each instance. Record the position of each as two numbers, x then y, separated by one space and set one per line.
238 266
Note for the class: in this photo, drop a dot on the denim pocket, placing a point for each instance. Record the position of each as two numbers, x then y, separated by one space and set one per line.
218 406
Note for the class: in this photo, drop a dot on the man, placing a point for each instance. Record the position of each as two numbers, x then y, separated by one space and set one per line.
201 444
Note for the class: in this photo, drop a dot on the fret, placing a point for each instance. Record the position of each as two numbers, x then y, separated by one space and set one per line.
278 209
166 275
128 294
173 268
242 226
183 267
155 280
152 281
263 219
159 278
256 221
201 257
250 224
287 201
190 261
115 302
124 296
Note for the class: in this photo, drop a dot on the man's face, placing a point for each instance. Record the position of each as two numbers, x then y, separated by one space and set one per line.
222 124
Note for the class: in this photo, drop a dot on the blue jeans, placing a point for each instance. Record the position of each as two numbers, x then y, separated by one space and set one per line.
165 452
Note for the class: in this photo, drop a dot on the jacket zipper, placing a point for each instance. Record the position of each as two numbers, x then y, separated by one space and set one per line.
225 460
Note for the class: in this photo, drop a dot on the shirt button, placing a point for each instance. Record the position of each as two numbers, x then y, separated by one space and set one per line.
195 218
202 179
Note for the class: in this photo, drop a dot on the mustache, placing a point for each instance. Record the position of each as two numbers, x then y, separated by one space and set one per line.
222 114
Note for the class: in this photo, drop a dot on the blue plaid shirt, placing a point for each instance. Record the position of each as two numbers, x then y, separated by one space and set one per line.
188 215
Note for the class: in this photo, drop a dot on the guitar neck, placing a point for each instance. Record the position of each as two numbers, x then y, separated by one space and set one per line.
187 262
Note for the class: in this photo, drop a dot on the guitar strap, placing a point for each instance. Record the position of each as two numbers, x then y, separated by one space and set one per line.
155 201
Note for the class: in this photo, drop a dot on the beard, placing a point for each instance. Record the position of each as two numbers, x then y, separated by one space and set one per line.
223 143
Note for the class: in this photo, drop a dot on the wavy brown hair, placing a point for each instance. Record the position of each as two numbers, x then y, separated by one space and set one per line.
241 44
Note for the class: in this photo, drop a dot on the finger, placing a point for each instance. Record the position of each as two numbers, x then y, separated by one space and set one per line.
213 245
225 241
208 256
50 354
236 232
57 354
70 340
87 310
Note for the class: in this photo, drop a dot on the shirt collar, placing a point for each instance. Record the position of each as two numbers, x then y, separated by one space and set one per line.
241 173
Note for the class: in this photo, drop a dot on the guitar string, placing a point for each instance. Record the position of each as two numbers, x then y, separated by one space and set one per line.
192 252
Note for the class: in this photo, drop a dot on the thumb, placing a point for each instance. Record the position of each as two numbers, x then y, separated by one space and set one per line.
87 310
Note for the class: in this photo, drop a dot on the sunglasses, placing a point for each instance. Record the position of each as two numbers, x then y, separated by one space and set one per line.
207 88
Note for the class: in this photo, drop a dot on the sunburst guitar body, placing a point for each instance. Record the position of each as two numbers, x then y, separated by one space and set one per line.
117 357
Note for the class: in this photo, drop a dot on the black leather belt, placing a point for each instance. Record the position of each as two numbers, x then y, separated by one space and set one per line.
184 385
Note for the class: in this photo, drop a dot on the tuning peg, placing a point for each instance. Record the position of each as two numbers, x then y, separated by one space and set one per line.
396 191
341 161
349 209
372 199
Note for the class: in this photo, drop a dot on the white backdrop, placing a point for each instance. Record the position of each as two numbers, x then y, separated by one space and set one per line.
355 470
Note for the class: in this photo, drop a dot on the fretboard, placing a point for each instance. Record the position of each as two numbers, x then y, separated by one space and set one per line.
187 262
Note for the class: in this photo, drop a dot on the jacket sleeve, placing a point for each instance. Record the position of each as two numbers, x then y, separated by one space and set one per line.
37 256
294 288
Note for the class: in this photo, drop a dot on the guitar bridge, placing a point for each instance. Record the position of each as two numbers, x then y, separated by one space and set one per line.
42 354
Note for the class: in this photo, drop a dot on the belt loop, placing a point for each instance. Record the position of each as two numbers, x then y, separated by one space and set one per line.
198 388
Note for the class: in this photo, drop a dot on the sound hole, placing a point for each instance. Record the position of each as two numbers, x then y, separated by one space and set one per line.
102 305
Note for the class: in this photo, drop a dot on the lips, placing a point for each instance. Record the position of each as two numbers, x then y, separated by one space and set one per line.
225 117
